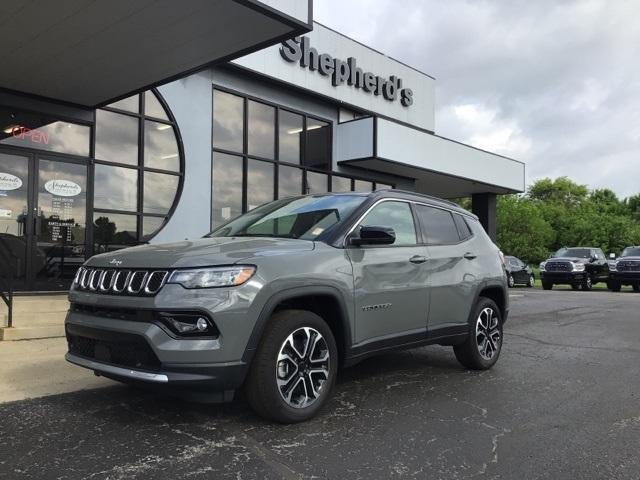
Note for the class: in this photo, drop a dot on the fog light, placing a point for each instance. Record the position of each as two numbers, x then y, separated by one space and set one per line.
202 324
188 324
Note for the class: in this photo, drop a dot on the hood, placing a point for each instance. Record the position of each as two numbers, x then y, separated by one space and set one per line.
203 252
570 259
632 258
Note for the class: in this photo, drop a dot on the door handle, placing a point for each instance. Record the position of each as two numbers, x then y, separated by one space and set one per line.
418 259
469 256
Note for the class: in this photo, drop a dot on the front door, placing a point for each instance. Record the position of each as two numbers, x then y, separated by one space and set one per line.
43 218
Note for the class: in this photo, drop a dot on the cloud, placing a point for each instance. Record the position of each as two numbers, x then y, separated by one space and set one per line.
554 84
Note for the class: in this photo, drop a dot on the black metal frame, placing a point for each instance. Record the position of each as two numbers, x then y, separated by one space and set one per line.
246 156
8 261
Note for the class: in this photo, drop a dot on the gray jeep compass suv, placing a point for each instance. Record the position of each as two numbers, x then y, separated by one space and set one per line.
277 299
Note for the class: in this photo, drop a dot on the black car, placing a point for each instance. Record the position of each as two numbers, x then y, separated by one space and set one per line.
625 270
575 266
518 272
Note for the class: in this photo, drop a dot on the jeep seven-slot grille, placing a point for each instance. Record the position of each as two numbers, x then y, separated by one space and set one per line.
558 267
116 281
628 266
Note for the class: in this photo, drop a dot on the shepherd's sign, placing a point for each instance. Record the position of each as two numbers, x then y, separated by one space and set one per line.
340 71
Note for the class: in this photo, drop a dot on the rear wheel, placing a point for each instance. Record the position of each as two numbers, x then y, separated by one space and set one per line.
482 347
294 368
547 285
615 286
587 284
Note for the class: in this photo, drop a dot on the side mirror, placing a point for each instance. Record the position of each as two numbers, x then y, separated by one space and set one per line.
373 235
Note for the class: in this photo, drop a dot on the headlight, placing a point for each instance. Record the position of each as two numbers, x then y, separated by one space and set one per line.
542 265
212 277
578 267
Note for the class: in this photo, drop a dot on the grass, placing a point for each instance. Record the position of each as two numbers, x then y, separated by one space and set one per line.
599 286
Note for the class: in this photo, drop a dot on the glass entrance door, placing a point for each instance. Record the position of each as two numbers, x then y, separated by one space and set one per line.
15 228
43 211
59 224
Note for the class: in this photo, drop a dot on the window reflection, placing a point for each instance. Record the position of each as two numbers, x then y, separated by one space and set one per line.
153 107
227 188
316 182
318 145
259 183
227 121
261 124
115 188
340 184
23 129
382 186
289 181
116 137
160 146
129 104
290 136
159 191
362 186
113 231
150 225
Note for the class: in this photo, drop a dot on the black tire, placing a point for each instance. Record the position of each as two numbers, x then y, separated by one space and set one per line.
546 285
468 353
511 281
587 284
261 387
614 286
636 287
532 281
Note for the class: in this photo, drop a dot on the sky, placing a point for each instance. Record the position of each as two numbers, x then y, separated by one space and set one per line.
555 84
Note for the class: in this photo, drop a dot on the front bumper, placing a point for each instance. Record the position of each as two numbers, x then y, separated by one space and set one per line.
563 277
625 277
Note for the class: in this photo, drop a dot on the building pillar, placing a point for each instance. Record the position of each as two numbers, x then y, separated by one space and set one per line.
484 206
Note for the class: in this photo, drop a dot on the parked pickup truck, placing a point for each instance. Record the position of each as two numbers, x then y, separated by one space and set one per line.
625 270
575 266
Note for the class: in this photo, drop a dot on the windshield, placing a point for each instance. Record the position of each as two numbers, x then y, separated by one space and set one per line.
573 252
305 218
631 252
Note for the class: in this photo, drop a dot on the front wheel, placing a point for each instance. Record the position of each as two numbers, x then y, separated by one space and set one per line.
511 281
532 281
481 349
546 285
294 368
615 286
587 284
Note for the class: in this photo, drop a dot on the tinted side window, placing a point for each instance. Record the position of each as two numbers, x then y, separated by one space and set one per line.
463 228
396 215
438 226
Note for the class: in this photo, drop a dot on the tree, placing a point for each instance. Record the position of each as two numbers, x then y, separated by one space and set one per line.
561 190
522 230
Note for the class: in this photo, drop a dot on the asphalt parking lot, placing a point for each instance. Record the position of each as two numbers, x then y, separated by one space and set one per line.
563 402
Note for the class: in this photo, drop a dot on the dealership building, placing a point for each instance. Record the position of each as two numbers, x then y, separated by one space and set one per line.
114 133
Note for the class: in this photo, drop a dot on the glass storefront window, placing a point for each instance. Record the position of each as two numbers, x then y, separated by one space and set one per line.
116 137
150 225
259 183
159 191
160 146
317 182
261 125
42 132
153 107
289 181
382 186
227 188
362 186
115 188
318 145
113 231
228 120
340 184
129 104
290 133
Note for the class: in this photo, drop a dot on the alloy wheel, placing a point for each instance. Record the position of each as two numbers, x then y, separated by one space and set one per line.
488 336
511 281
302 367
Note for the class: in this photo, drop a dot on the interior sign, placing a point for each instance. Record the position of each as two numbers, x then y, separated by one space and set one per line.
341 72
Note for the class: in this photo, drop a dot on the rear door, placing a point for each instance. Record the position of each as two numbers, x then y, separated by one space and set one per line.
390 281
451 268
